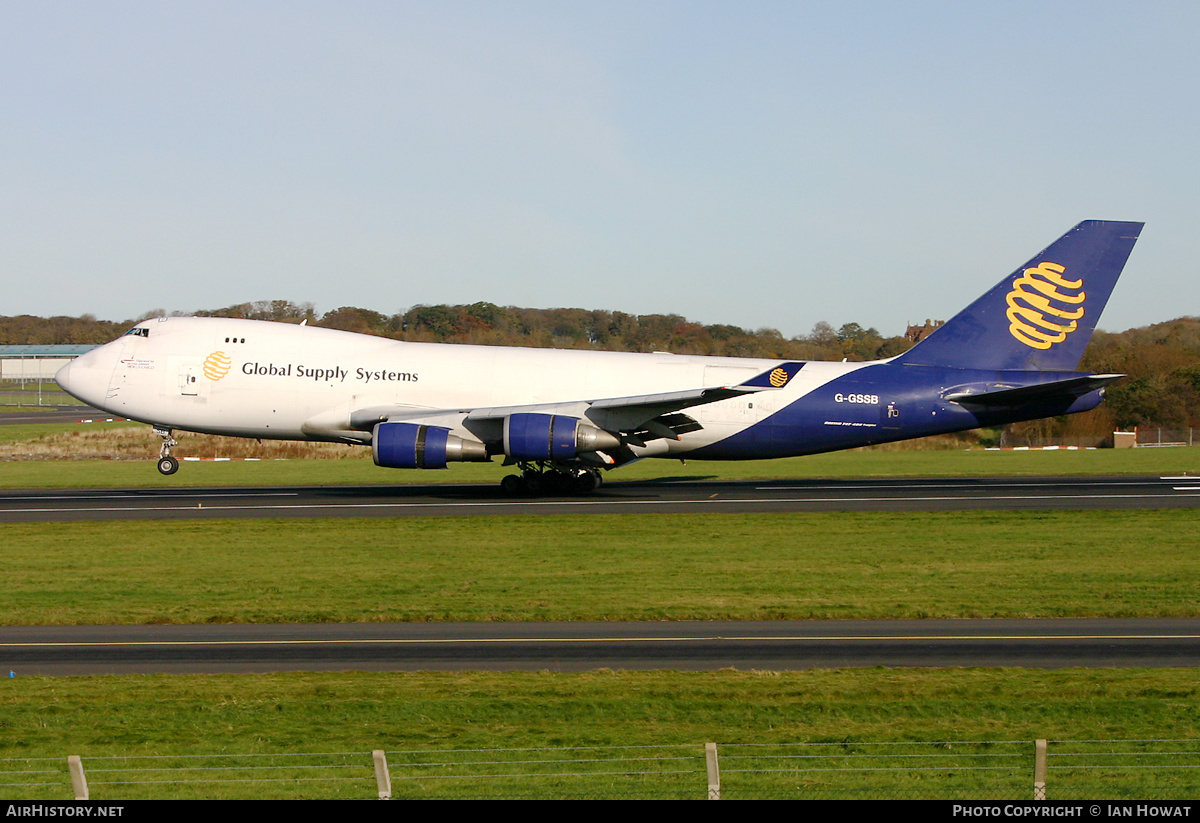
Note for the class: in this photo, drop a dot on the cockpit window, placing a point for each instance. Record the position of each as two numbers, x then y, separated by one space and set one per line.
138 331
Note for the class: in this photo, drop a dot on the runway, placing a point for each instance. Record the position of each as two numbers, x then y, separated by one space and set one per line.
54 414
675 495
766 645
567 647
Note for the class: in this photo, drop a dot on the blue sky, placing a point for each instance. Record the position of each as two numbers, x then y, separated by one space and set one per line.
765 164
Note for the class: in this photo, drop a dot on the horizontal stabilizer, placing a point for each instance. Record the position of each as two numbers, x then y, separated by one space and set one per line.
1020 395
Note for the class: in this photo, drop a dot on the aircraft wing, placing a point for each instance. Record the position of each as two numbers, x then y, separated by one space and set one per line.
637 417
1056 389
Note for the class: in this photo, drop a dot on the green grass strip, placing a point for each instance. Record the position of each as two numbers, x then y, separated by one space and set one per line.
606 567
103 717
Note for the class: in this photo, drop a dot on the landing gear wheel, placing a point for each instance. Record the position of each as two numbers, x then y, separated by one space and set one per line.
166 463
542 477
587 482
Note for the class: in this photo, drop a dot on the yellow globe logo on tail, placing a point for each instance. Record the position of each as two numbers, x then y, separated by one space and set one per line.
217 365
778 378
1037 308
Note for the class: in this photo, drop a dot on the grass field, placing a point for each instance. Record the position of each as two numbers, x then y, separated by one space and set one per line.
632 567
606 567
437 715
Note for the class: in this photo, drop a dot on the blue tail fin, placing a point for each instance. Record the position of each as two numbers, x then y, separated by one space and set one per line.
1043 314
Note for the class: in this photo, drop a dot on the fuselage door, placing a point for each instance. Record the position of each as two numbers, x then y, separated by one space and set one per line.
889 415
189 379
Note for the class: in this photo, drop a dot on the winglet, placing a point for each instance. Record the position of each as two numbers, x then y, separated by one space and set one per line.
775 378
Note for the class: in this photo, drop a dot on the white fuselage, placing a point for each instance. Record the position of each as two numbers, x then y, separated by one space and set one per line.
282 381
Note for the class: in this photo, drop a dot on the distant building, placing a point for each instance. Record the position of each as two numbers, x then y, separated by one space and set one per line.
918 333
36 363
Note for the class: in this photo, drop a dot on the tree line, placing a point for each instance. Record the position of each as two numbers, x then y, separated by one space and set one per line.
1162 360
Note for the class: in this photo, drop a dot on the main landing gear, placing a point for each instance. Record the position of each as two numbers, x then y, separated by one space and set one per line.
166 463
540 479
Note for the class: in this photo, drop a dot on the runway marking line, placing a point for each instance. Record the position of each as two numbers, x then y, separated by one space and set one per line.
150 495
934 484
608 502
513 640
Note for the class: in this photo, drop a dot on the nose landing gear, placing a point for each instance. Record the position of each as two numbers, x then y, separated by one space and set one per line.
166 463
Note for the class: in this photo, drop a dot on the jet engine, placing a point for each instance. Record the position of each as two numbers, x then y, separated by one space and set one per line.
533 436
415 446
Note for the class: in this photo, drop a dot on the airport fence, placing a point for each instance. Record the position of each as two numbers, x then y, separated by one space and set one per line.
34 393
1151 436
1143 436
1008 440
991 770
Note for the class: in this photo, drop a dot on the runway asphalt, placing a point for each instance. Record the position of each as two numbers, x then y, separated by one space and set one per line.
567 647
677 495
53 414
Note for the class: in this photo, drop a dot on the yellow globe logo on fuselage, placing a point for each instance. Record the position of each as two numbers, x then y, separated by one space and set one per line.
217 365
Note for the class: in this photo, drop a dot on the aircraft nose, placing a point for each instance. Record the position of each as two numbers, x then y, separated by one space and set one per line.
84 379
63 377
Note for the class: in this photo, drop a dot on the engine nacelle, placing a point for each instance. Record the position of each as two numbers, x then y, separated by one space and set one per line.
532 436
415 446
